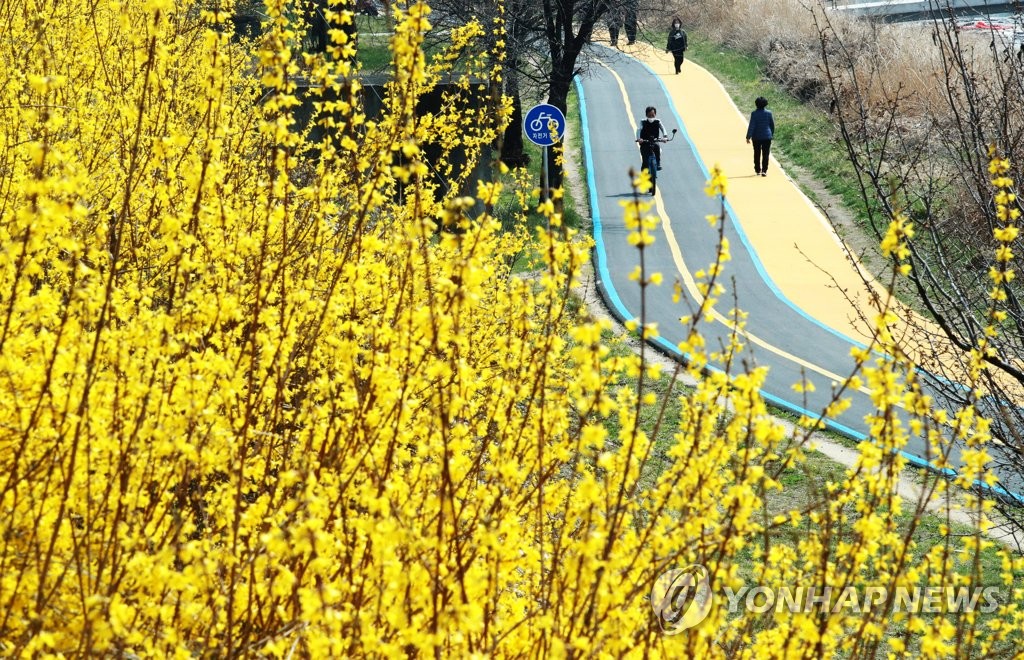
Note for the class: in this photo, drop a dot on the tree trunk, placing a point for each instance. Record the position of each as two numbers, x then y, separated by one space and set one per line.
513 153
561 78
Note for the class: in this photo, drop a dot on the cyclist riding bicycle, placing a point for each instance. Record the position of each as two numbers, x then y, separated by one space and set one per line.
648 134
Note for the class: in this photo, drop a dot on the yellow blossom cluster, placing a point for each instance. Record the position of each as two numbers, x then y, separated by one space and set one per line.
273 387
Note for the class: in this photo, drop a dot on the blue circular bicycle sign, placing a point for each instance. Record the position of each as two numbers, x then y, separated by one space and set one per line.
539 122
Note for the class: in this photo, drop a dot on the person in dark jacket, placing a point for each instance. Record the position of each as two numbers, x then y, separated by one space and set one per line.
614 21
761 130
677 42
631 20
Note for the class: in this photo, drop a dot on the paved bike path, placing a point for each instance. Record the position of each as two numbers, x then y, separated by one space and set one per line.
806 301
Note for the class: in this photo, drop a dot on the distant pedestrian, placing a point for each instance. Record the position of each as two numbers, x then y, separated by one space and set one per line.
761 130
677 42
631 20
614 22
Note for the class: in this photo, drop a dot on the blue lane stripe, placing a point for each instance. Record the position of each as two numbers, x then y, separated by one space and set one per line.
604 278
619 308
738 226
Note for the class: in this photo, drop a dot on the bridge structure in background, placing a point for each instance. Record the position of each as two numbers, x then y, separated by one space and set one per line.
920 10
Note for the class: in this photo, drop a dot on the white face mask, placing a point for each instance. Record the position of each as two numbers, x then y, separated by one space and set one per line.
676 26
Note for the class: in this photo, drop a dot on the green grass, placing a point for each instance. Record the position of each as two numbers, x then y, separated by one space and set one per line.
574 127
509 206
667 393
806 138
803 486
373 45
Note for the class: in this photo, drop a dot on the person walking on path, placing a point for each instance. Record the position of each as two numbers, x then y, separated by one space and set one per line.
614 21
761 129
631 9
677 42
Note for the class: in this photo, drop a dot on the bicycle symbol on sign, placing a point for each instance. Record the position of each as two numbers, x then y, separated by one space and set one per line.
544 124
541 122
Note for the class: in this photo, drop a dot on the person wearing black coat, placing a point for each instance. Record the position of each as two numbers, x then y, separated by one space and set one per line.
614 21
631 20
677 43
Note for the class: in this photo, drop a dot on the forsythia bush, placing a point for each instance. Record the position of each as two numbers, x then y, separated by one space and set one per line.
271 395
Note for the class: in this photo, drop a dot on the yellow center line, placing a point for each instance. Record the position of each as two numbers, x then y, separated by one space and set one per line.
691 284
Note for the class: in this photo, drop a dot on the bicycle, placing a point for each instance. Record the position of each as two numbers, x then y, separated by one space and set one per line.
541 122
649 159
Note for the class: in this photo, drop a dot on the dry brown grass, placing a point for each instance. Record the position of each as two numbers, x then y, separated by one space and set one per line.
889 59
903 83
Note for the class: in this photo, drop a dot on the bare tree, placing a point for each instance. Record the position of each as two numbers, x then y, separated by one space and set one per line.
523 54
568 27
925 153
545 48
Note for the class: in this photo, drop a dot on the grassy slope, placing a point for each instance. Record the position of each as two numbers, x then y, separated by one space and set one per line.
807 139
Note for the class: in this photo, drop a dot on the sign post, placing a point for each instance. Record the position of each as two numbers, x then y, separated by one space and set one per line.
544 125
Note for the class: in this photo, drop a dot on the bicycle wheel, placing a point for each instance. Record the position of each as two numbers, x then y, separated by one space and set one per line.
652 169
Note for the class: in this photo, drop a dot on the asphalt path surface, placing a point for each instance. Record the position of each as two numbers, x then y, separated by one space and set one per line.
795 347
